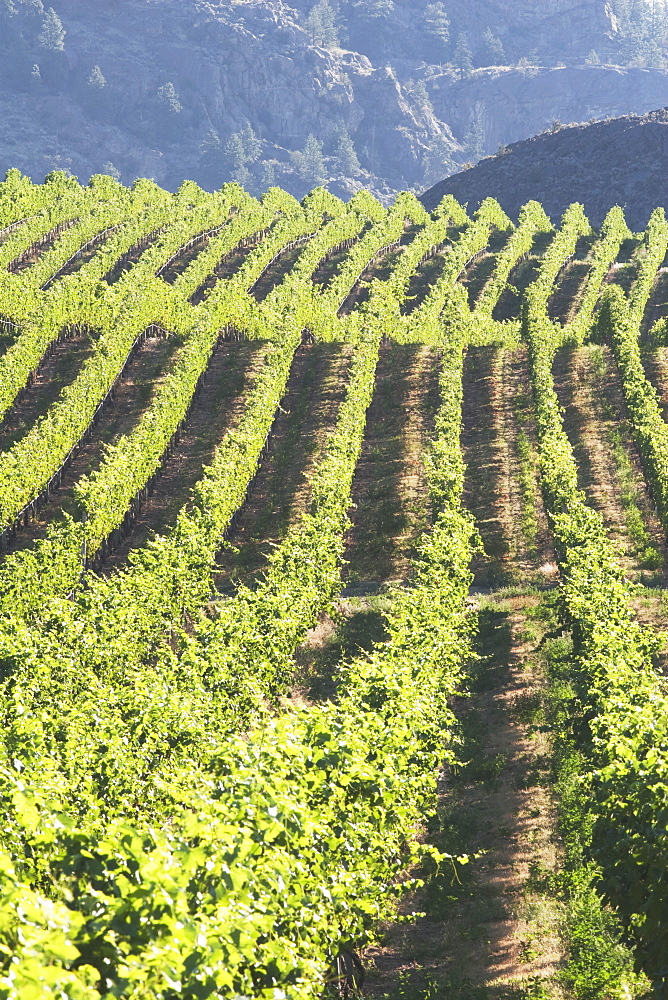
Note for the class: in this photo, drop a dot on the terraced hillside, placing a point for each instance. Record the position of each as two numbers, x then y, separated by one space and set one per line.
333 596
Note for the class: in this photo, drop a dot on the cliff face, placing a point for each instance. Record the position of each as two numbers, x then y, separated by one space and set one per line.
619 162
229 64
172 72
516 104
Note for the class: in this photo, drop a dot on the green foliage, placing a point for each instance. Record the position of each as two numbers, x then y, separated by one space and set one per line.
616 716
137 846
645 414
174 825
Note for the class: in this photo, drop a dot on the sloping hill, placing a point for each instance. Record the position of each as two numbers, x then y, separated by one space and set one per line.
618 162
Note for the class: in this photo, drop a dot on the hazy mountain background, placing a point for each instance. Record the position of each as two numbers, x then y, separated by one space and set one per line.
387 94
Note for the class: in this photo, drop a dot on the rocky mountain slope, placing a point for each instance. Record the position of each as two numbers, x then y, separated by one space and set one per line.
619 162
393 93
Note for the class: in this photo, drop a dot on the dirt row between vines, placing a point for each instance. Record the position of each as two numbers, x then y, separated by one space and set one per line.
131 397
56 371
484 933
306 416
610 472
216 408
389 510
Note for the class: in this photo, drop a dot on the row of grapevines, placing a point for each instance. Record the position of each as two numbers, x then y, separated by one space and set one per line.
387 296
71 202
127 466
326 301
423 324
75 299
619 324
604 253
471 242
105 495
111 210
432 236
125 469
126 310
229 301
292 833
20 198
341 231
618 709
654 247
174 569
252 638
532 220
573 226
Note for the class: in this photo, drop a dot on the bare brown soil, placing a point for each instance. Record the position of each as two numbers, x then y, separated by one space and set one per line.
280 490
497 404
132 396
390 505
484 933
57 370
217 407
594 410
486 490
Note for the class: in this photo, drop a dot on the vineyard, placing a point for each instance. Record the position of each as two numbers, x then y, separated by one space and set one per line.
334 595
